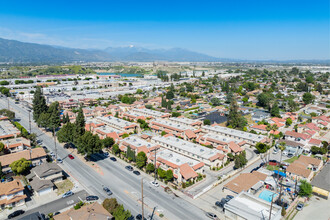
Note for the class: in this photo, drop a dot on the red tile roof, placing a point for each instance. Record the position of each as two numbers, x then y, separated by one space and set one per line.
187 172
234 147
297 135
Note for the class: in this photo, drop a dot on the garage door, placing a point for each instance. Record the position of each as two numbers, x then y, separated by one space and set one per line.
45 191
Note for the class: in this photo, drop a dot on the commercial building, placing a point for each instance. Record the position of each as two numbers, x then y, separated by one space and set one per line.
210 157
249 207
251 139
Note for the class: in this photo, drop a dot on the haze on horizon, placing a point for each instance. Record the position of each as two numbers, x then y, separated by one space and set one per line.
263 30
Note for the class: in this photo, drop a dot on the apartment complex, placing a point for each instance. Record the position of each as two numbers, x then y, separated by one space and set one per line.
211 157
151 113
118 123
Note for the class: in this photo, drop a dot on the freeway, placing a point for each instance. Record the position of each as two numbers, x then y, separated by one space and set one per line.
125 186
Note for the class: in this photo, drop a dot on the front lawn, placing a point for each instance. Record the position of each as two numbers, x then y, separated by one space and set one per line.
291 159
64 186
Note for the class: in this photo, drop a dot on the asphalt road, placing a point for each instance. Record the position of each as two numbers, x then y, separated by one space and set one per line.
58 204
125 186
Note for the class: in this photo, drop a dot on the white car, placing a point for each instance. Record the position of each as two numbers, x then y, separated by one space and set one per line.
155 184
285 153
59 160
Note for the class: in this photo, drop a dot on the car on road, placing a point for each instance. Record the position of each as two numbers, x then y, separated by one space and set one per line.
211 215
92 198
107 190
154 183
67 194
59 160
139 217
70 156
52 154
129 168
113 159
15 214
290 155
300 206
136 172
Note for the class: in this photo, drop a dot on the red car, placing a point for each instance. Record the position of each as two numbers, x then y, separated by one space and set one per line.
71 157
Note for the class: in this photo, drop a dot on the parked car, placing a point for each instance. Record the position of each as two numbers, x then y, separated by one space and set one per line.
70 156
52 153
300 206
45 148
92 198
113 159
106 154
211 215
107 190
290 155
129 168
16 213
59 160
139 217
136 172
67 194
155 184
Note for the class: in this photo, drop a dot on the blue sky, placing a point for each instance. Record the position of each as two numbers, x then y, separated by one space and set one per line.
246 29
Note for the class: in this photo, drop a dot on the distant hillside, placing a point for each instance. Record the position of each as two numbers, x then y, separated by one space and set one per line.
16 51
143 54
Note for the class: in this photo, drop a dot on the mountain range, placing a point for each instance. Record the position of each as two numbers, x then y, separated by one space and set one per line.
22 52
16 51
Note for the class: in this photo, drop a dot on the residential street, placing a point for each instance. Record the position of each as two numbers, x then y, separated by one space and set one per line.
125 186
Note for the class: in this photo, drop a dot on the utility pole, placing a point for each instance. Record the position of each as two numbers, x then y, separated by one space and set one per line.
30 120
8 102
55 144
271 206
155 164
142 198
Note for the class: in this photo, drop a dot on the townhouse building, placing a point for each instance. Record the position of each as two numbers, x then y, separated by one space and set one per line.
137 144
297 137
149 113
184 168
239 136
133 116
119 124
7 129
187 122
210 157
17 144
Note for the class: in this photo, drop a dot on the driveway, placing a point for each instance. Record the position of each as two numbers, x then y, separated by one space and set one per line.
316 208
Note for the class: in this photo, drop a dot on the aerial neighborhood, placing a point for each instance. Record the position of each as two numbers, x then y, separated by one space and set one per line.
238 142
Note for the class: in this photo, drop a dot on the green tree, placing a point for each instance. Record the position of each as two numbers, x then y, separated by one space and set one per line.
215 101
20 166
115 149
2 147
305 188
139 91
38 104
43 120
110 204
67 133
288 121
108 142
169 175
169 95
161 173
176 114
235 118
207 122
120 213
130 154
80 122
150 168
261 147
229 97
308 98
264 99
275 110
89 144
141 159
54 121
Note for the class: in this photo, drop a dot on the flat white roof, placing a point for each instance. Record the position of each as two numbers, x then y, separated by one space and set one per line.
220 138
150 112
173 124
6 128
115 121
236 133
196 149
252 207
108 129
138 142
187 121
176 158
